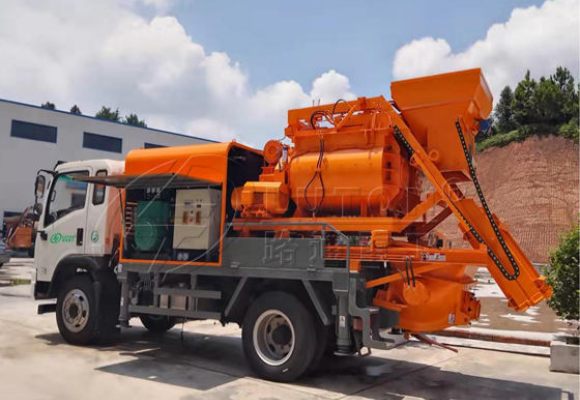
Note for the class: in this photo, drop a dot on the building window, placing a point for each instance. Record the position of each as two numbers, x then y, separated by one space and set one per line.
28 130
102 142
153 145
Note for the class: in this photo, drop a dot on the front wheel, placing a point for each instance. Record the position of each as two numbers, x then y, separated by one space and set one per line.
79 319
76 312
279 337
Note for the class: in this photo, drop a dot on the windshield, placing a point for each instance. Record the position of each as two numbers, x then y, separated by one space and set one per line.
67 195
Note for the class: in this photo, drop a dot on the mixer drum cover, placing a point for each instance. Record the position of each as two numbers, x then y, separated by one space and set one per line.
353 180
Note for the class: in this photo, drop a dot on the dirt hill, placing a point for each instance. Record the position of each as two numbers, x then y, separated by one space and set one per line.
533 187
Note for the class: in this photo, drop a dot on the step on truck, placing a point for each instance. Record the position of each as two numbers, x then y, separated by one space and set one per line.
325 242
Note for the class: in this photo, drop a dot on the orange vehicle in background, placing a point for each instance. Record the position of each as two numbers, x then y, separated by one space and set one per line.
21 232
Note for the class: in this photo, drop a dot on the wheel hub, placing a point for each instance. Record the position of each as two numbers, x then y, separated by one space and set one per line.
274 337
282 335
75 310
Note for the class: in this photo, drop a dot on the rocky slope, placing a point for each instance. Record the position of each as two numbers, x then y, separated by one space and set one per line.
533 187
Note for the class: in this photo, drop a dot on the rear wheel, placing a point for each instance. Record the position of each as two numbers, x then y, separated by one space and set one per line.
279 337
158 323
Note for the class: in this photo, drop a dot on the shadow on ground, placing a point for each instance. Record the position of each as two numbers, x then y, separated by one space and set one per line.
204 362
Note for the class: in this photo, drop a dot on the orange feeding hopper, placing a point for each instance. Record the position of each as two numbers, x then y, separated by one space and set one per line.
432 105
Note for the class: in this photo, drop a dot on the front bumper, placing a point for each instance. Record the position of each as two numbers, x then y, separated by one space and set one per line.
41 290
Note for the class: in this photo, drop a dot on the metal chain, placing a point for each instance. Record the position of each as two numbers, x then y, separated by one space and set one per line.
489 215
399 136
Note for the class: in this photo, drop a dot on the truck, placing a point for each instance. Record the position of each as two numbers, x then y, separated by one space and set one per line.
324 242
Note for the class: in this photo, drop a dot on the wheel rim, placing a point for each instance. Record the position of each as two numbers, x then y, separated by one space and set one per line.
274 337
75 310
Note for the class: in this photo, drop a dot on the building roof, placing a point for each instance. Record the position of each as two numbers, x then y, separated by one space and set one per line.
103 120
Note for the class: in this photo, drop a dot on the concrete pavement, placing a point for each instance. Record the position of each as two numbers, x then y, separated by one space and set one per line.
205 361
17 271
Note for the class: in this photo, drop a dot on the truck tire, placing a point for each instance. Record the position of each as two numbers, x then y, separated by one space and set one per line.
323 334
279 337
158 323
76 311
109 308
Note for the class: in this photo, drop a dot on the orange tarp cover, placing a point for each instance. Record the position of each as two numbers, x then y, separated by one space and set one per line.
207 162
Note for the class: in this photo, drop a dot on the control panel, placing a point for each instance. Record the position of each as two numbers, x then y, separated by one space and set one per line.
197 219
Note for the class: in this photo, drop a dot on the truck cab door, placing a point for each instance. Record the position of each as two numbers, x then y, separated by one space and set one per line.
103 216
62 226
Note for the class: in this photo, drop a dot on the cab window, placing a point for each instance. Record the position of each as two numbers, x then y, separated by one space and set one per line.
99 191
66 196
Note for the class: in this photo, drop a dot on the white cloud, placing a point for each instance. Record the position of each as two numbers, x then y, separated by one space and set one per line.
331 86
273 102
104 53
160 6
534 38
95 53
210 129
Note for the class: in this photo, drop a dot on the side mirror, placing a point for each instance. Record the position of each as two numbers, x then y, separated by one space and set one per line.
36 211
39 186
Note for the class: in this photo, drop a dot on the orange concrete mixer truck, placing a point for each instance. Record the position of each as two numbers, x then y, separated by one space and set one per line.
321 242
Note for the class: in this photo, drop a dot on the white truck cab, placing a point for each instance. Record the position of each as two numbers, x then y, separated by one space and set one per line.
78 222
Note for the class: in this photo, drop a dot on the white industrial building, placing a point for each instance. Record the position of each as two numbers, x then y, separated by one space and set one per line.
32 138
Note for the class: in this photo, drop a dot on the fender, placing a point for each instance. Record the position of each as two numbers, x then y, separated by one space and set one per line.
95 266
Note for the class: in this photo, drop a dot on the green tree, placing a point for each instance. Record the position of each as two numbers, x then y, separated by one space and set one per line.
108 114
503 114
563 275
547 106
48 105
569 92
524 104
549 103
75 110
133 119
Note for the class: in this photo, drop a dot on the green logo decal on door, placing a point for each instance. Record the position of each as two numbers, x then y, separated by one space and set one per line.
58 237
94 236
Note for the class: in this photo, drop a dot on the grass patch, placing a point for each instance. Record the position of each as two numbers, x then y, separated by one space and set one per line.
569 130
501 140
16 282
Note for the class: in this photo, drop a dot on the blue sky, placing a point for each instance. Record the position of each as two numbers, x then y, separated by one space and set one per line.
276 40
232 69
